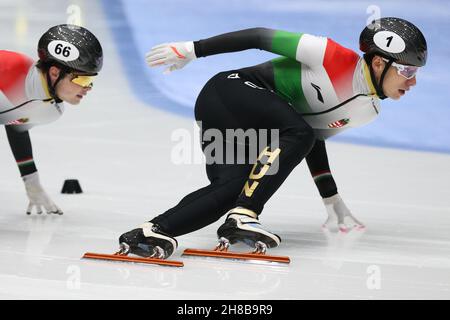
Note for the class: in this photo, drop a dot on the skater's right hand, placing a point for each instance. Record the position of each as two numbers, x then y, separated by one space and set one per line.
176 55
37 196
339 215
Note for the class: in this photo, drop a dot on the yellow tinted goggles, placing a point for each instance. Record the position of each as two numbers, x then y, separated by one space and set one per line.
84 81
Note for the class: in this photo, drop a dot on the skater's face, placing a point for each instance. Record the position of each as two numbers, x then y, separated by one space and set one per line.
395 84
72 88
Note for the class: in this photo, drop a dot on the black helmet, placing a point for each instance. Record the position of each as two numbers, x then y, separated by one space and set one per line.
73 47
395 39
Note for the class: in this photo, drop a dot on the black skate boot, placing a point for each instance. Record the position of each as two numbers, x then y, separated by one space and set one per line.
240 227
148 241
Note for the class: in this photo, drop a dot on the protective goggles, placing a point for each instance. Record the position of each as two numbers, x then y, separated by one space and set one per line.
82 80
405 71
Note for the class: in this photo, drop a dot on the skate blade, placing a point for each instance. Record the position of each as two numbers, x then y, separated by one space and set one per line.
236 255
124 258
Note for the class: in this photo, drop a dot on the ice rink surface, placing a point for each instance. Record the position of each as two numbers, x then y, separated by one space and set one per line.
120 151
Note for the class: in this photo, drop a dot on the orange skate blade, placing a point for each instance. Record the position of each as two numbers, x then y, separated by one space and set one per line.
124 258
236 255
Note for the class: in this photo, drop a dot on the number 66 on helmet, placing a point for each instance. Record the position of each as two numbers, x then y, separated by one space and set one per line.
73 47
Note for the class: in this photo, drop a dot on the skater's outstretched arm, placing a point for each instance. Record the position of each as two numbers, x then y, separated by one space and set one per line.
21 148
338 213
276 41
304 48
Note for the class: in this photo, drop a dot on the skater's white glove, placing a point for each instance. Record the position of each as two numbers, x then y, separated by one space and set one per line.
340 215
176 55
38 197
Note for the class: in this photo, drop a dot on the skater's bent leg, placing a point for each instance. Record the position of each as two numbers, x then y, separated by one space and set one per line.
256 108
274 165
201 207
271 169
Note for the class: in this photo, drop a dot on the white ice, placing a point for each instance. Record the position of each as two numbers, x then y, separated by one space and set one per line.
120 151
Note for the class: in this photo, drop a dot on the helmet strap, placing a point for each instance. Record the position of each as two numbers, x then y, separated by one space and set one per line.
383 74
52 87
378 84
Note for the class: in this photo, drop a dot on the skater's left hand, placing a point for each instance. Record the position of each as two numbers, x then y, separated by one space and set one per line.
176 55
340 215
37 195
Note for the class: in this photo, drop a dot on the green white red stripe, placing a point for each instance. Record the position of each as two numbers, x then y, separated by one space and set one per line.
321 175
25 162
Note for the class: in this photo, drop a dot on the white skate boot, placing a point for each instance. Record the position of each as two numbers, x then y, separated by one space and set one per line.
242 227
148 241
